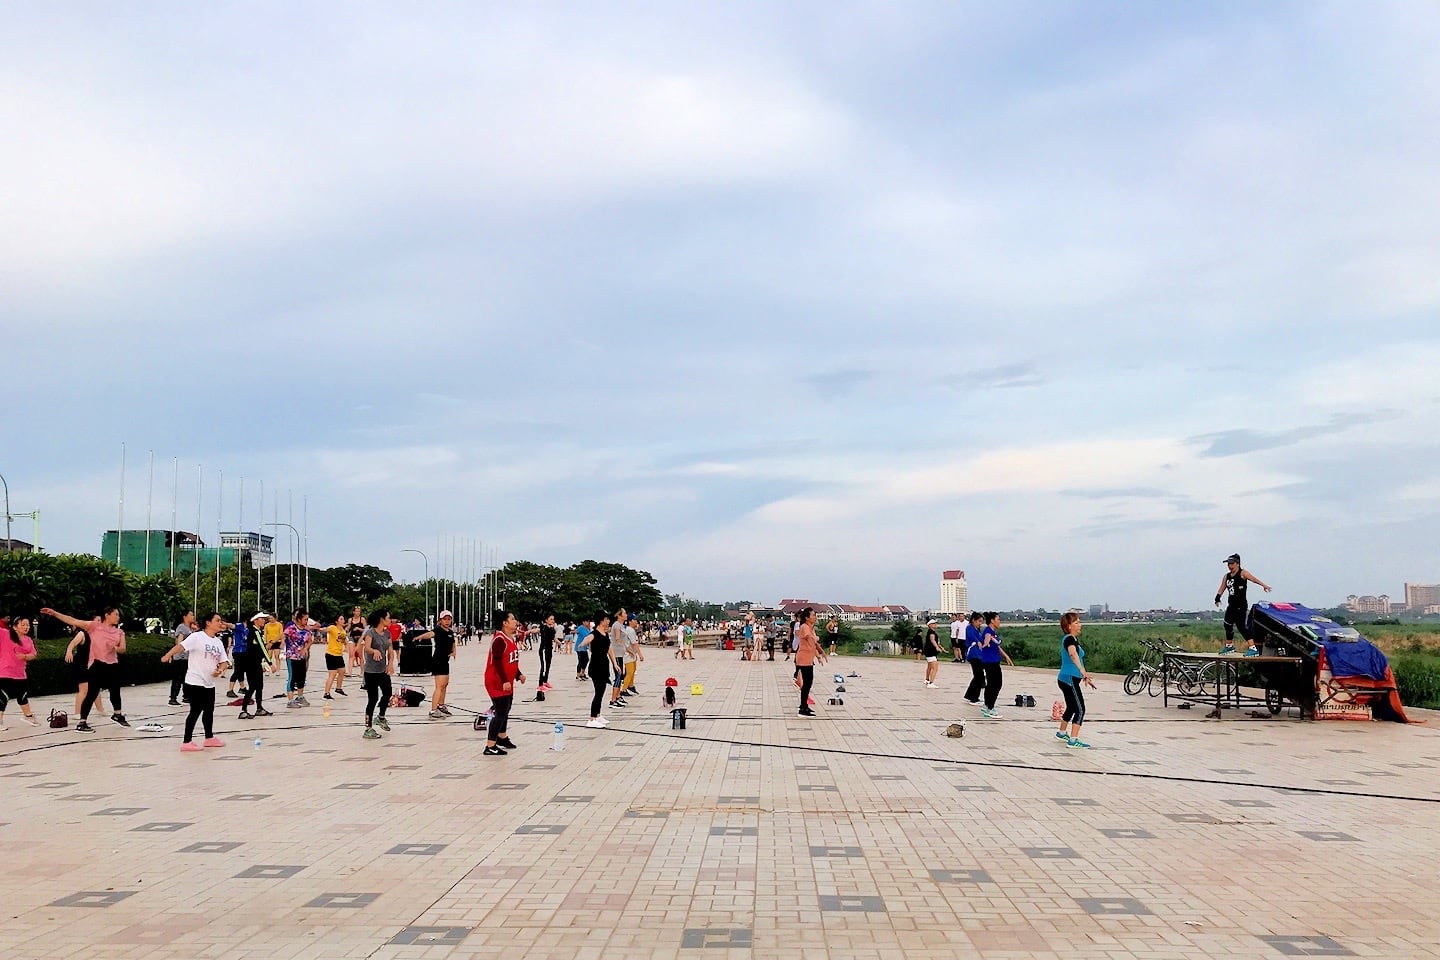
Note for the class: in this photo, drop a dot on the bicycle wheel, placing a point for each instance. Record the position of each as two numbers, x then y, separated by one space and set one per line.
1156 685
1133 683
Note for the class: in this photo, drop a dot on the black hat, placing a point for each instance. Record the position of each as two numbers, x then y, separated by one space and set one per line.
1233 558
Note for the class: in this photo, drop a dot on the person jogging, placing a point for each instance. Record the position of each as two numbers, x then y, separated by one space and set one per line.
205 661
107 642
1072 676
502 672
1237 608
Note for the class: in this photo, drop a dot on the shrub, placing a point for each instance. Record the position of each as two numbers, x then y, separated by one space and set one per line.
1417 675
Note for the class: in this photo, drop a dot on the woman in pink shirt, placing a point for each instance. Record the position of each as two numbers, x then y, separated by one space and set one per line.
805 656
16 649
107 642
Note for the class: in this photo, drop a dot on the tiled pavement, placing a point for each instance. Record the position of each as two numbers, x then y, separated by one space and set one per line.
752 833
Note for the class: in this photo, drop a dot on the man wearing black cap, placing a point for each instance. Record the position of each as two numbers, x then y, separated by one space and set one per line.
1233 585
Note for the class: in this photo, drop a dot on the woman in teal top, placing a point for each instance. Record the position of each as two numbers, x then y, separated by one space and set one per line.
1072 675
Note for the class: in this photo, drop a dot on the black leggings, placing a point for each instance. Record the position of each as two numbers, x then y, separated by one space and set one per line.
178 669
1074 701
977 681
807 679
297 675
377 686
994 679
601 681
499 717
252 672
12 690
102 676
202 708
547 654
582 662
1235 620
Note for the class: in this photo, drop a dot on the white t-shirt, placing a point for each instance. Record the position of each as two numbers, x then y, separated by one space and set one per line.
957 632
206 653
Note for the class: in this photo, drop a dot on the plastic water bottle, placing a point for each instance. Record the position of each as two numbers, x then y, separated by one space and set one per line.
559 737
257 743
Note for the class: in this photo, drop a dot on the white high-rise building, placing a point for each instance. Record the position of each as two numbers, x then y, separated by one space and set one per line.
954 592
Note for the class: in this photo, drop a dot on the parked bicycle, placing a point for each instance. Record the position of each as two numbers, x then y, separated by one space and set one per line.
1149 674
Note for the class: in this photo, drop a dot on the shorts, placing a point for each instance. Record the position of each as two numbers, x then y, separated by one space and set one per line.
932 659
334 662
440 668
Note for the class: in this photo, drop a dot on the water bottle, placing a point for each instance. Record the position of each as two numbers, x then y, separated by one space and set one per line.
559 737
257 743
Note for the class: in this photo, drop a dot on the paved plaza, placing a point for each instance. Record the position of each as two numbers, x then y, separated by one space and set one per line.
864 832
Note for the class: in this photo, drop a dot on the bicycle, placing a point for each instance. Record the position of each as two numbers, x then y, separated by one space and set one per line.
1147 671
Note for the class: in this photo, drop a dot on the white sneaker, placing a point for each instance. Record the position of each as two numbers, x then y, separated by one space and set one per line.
597 722
30 720
603 721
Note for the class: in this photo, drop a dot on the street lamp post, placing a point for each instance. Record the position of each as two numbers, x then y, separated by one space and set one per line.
296 534
424 590
9 543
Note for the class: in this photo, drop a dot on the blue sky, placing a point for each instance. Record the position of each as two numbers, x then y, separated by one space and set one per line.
769 300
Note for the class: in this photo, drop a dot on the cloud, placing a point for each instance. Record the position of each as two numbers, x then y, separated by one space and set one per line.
1231 443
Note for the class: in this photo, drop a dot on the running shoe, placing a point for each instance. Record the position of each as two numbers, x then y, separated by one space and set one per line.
436 715
1062 735
3 728
30 720
986 712
190 746
807 713
245 715
507 743
214 742
971 702
293 705
120 719
370 734
340 692
1079 744
83 727
173 702
262 712
326 697
493 752
383 724
302 701
994 714
603 722
445 709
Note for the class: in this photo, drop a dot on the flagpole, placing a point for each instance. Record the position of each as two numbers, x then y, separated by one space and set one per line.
174 506
149 510
120 525
195 550
239 571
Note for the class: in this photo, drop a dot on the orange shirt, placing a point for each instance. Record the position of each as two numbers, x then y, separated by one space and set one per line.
809 646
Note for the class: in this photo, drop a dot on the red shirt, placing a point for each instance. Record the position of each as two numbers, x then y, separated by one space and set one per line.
502 665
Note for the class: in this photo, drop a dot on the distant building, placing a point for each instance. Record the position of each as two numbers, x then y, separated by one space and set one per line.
1420 596
1368 604
1099 609
846 611
954 592
151 551
16 546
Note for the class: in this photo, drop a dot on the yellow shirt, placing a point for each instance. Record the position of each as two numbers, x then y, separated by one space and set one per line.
274 633
335 645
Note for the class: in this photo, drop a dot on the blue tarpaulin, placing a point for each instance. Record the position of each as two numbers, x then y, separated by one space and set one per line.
1349 654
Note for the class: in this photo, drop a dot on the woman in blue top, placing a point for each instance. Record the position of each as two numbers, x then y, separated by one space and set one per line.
972 656
991 653
1072 675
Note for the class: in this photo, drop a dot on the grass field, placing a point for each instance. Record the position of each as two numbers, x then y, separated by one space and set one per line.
1413 649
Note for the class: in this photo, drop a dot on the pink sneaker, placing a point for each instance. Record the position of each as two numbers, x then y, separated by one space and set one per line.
190 747
214 742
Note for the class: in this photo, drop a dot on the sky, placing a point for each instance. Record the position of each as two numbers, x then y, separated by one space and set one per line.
771 300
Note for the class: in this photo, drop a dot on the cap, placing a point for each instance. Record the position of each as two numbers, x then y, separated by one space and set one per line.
444 614
259 616
1233 558
671 682
930 621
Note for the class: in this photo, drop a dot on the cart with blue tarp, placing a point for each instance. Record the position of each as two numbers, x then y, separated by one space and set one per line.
1346 676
